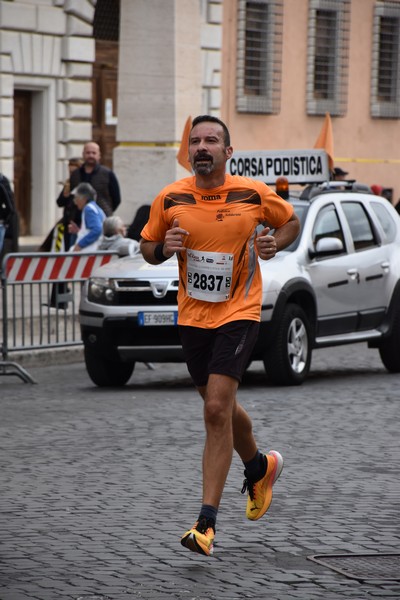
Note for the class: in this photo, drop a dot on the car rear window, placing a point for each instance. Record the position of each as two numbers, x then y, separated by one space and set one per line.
386 220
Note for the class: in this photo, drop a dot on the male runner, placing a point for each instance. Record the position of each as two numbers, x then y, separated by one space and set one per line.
210 221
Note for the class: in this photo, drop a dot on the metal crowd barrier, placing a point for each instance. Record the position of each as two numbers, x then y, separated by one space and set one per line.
40 302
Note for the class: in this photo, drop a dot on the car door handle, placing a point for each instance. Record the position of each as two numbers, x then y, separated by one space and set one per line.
385 266
354 275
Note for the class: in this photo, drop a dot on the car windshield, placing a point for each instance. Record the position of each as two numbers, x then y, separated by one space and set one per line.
301 210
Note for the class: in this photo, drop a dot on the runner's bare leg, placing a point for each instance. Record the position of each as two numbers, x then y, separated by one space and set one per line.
227 427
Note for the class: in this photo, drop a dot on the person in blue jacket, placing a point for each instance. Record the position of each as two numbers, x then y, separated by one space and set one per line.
89 233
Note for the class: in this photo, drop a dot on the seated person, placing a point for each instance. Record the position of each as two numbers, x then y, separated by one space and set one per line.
114 238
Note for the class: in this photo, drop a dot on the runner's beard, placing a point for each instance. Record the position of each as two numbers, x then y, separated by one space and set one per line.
203 167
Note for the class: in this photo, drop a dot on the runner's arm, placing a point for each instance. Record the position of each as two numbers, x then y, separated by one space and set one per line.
268 245
156 252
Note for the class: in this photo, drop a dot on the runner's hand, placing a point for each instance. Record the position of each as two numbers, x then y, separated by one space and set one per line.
174 239
266 244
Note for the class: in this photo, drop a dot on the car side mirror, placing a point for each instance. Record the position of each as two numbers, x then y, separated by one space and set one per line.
328 246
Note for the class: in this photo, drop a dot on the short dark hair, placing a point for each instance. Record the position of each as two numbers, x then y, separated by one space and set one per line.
339 171
211 119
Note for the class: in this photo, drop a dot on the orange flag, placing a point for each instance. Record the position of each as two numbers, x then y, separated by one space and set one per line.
183 152
325 140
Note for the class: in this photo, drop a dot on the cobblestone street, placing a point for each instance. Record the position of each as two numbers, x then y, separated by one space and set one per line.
98 485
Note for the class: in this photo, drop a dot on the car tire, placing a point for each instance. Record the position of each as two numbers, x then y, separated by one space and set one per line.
287 361
389 350
107 373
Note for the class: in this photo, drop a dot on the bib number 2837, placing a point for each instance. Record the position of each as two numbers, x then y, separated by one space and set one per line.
209 275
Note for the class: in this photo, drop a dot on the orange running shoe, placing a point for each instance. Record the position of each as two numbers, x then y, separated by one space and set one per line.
200 538
260 492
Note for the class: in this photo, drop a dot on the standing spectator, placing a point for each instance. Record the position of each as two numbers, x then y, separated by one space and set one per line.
376 189
338 174
7 207
71 211
385 192
102 179
59 239
88 234
210 220
114 238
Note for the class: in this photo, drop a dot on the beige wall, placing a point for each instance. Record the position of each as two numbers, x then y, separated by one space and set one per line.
368 149
170 62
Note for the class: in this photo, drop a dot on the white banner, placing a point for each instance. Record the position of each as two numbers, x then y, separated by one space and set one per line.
298 166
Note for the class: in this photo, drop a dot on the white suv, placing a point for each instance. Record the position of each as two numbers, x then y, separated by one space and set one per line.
338 283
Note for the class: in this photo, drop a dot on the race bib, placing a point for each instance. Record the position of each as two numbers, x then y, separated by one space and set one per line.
209 275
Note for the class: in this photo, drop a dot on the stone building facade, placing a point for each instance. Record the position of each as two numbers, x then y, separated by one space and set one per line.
185 57
47 54
47 51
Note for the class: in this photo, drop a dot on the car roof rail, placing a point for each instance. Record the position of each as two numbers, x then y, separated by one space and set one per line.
349 185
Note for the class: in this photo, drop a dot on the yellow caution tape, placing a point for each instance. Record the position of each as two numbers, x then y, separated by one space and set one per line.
59 237
149 144
389 161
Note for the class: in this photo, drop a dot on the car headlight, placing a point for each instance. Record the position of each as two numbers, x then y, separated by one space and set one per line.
101 290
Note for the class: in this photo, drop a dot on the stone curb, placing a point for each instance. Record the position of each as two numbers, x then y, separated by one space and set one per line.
47 357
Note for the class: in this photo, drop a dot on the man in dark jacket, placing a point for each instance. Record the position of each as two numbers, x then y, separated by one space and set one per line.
102 179
7 210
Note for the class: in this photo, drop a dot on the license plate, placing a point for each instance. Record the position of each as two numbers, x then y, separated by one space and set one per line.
157 318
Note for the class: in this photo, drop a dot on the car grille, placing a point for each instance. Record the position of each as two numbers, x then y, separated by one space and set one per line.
140 293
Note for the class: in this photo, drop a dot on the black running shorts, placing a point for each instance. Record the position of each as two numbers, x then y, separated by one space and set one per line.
225 350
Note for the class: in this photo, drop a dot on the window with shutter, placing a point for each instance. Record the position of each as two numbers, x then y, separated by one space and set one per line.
328 57
385 76
259 56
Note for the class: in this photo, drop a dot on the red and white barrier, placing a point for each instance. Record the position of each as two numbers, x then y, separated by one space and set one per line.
64 266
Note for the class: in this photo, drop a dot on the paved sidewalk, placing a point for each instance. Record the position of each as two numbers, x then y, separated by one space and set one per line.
99 485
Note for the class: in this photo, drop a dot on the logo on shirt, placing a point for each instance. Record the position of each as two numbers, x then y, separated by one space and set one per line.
217 197
225 212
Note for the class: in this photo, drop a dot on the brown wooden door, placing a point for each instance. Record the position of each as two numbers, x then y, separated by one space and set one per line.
22 158
105 80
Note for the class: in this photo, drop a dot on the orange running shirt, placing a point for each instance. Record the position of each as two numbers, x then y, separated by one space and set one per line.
219 274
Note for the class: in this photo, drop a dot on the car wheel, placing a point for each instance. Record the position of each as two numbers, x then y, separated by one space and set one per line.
389 350
287 361
107 373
